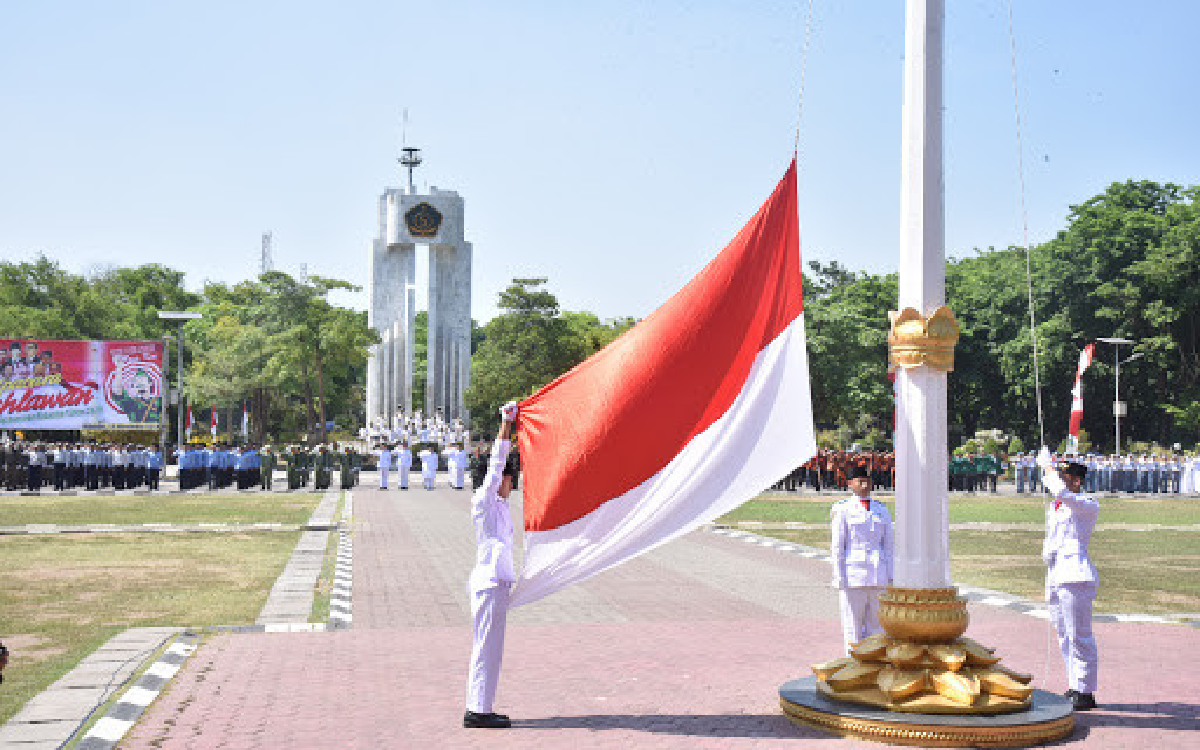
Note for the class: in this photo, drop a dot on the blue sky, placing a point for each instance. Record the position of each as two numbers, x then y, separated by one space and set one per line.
613 147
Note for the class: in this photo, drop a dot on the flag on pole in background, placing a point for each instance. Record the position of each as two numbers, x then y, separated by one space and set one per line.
187 423
687 415
245 423
1085 361
212 421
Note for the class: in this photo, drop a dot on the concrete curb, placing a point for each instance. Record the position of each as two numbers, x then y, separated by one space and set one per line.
54 715
123 714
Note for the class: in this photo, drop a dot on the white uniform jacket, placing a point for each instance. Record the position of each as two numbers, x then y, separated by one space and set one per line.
429 464
385 459
493 527
1070 519
404 458
861 544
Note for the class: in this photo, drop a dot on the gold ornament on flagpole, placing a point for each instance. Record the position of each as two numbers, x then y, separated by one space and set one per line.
915 341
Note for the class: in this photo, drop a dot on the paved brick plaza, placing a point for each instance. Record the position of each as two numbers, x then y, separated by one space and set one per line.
682 648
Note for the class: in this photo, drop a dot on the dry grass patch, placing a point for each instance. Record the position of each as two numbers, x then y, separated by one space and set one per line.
65 595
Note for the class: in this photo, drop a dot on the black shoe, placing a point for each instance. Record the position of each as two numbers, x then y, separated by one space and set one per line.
1083 701
1070 694
472 720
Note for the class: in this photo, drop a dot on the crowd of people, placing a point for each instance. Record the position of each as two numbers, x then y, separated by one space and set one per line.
66 466
1114 473
831 469
98 466
221 465
415 429
980 472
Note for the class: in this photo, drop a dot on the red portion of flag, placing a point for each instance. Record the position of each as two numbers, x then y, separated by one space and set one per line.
618 418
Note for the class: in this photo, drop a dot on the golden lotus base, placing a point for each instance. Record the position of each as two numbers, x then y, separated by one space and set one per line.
924 664
1049 719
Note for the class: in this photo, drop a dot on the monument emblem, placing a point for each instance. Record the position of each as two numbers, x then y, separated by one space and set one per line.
433 219
423 220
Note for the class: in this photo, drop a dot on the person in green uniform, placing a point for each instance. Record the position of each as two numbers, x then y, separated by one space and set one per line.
347 467
293 468
267 468
991 472
324 468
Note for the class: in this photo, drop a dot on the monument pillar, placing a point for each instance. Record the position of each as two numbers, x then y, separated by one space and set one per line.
408 218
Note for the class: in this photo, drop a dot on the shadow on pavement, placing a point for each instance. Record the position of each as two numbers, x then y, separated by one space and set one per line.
1180 716
712 725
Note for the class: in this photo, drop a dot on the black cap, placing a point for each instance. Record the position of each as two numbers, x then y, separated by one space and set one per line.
859 472
1074 469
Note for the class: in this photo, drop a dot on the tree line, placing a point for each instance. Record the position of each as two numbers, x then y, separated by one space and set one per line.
1126 265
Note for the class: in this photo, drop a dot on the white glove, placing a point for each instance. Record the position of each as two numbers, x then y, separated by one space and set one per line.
1043 458
509 411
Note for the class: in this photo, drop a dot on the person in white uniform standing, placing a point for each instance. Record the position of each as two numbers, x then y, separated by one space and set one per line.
491 580
385 465
862 558
457 459
429 467
1071 579
403 464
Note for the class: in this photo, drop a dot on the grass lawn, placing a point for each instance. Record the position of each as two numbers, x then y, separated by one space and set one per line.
257 507
1167 511
62 596
1147 572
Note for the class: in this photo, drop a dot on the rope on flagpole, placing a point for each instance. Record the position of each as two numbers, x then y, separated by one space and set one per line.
1037 380
1051 630
808 20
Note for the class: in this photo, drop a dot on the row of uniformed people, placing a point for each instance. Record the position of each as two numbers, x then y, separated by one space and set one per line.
221 466
1129 473
66 466
399 458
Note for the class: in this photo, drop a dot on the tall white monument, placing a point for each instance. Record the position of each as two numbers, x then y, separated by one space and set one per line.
407 219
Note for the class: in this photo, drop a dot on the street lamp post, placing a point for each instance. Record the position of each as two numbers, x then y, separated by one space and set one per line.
181 316
1118 406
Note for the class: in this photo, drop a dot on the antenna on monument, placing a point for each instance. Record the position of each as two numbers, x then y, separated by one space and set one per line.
412 156
265 262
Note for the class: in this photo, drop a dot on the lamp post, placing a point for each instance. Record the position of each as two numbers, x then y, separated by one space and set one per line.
1118 406
181 316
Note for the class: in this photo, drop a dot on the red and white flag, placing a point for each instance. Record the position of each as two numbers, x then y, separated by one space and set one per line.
212 420
187 423
687 415
1085 361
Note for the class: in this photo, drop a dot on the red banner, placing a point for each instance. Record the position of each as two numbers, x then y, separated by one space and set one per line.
73 385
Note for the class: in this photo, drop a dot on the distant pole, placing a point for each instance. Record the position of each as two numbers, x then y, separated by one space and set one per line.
266 263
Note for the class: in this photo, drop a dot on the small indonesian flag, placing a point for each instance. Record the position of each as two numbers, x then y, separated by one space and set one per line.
687 415
187 422
212 421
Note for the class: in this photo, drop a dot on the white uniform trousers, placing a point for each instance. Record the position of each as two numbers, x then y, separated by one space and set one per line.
458 477
489 610
859 606
427 481
383 477
403 477
1071 612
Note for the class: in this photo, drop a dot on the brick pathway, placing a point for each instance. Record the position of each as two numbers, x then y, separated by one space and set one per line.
682 648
